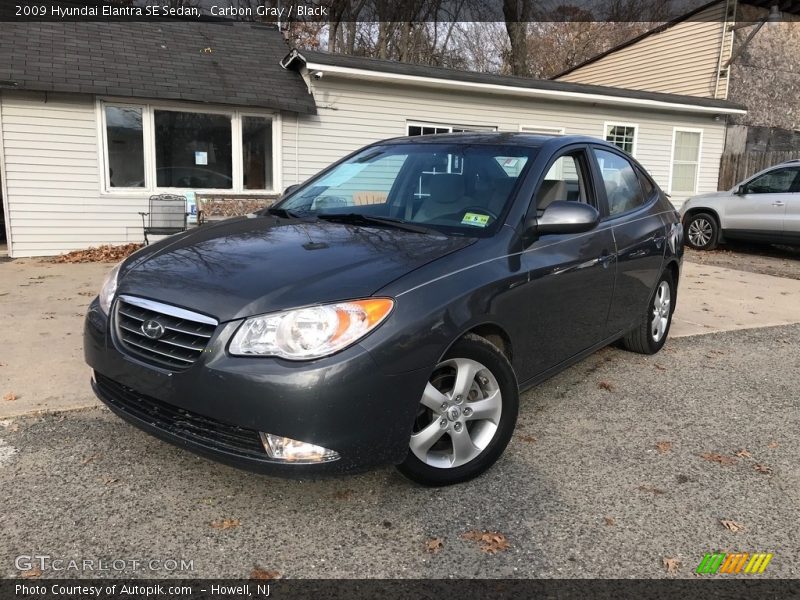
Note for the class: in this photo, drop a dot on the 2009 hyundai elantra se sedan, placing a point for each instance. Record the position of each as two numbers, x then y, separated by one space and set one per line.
390 309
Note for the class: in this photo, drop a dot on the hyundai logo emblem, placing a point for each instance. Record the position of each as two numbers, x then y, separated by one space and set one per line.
152 329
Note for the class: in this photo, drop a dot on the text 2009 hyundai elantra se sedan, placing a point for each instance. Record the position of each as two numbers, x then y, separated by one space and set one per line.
389 310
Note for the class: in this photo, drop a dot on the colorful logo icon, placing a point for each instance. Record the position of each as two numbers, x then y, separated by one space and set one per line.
740 562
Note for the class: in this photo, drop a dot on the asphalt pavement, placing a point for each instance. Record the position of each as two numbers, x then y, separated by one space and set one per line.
622 466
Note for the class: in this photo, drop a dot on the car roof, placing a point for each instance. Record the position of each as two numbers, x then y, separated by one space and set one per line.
496 138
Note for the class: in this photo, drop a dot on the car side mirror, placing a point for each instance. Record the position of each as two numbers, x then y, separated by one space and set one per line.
740 190
566 217
290 189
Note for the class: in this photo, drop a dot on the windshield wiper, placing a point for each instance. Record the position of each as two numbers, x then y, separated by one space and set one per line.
359 219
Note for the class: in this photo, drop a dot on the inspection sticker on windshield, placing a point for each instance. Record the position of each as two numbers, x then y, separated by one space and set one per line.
475 219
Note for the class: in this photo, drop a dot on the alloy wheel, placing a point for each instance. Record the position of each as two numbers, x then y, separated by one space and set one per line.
700 232
661 311
458 414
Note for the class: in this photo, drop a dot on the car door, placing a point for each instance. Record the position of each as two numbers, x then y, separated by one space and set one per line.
791 223
570 277
758 208
639 234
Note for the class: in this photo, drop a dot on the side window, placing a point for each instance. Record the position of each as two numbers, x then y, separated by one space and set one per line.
779 181
647 185
565 180
623 190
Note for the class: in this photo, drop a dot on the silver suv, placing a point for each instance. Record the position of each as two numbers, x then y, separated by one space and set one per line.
763 208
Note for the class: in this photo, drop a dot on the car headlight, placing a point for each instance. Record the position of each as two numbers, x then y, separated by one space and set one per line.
312 332
108 289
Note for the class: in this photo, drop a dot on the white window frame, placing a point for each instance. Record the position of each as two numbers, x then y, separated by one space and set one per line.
542 130
148 131
675 131
635 126
449 126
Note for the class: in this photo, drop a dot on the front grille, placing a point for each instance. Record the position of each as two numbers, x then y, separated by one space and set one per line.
185 334
182 423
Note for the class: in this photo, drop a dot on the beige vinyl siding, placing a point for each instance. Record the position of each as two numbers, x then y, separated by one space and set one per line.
683 59
353 113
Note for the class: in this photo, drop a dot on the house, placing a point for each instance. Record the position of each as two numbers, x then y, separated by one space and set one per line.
744 51
96 117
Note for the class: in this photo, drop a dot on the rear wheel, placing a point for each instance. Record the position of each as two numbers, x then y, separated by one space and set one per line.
702 232
650 335
466 415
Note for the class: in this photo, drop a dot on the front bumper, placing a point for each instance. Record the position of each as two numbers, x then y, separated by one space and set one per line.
215 407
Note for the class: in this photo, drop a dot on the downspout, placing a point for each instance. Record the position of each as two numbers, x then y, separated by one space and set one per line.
297 147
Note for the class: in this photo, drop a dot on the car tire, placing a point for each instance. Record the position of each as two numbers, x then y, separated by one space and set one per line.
642 339
701 231
482 373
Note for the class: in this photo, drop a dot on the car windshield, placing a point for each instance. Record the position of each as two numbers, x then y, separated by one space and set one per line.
453 188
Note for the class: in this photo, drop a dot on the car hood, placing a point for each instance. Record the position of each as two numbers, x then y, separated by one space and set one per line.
259 264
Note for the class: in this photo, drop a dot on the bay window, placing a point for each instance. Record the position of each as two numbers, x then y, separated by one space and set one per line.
156 148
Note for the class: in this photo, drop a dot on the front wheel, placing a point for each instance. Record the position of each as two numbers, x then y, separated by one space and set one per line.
702 232
650 335
466 415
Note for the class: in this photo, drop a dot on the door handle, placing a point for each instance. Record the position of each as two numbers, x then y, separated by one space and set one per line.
659 240
778 203
605 259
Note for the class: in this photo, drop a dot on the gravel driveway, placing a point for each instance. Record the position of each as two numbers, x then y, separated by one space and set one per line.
619 463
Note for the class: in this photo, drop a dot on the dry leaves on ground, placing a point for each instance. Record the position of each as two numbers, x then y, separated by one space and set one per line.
663 447
10 397
610 521
106 253
605 385
433 545
89 459
528 439
763 469
343 494
773 445
731 525
671 564
264 575
718 458
34 572
743 453
225 523
660 367
490 541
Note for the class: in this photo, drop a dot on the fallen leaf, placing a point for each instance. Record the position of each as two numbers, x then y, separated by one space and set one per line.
763 469
264 575
433 545
660 367
650 489
88 459
110 480
773 445
743 453
605 385
225 523
718 458
343 494
490 541
528 438
671 564
610 521
731 525
663 447
34 572
10 397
